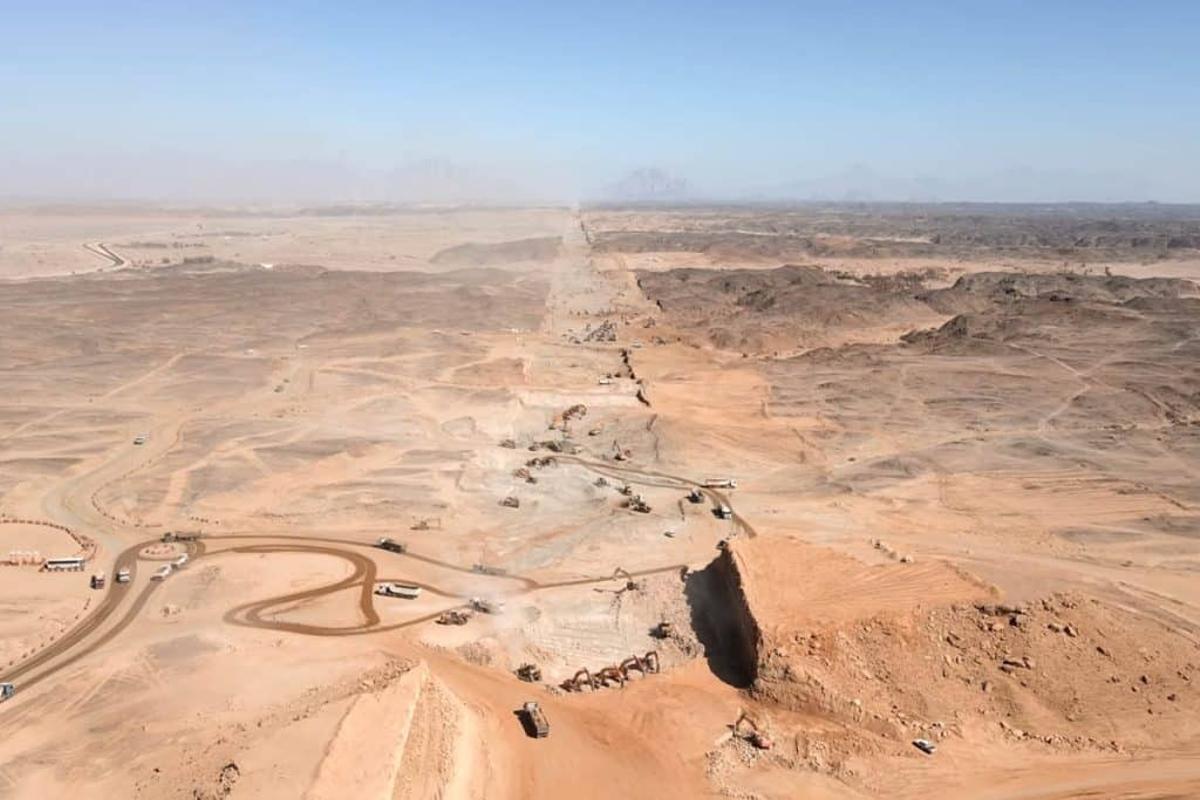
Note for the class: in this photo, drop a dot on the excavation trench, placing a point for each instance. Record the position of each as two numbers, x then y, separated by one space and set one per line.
722 620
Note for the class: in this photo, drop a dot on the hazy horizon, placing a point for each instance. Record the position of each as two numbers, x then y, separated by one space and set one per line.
367 103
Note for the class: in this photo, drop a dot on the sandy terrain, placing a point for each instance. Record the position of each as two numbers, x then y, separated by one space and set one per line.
966 507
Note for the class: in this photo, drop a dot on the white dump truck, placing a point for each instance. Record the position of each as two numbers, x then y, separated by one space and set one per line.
180 562
161 573
723 511
123 576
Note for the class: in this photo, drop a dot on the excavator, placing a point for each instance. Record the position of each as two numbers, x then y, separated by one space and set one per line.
745 728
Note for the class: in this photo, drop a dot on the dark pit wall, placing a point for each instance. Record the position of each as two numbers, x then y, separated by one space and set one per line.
722 620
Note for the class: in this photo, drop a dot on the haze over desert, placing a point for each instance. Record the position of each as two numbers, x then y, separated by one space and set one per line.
525 401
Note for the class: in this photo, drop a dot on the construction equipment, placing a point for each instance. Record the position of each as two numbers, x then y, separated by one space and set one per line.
123 576
630 584
626 489
7 690
510 502
98 580
391 545
530 673
744 727
562 421
487 606
637 503
180 562
139 440
508 443
579 680
535 720
723 511
453 617
720 483
180 536
618 674
161 573
695 496
925 746
485 569
408 591
663 630
426 524
611 674
620 453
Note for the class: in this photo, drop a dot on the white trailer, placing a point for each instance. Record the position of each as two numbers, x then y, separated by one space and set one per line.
406 590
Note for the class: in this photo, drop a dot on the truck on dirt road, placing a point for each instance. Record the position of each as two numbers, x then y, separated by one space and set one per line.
391 545
7 690
536 724
406 590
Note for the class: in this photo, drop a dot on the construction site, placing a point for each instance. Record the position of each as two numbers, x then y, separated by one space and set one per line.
645 503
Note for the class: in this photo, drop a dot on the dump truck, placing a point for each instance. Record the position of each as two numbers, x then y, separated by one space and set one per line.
180 562
406 590
140 439
695 496
123 576
7 690
723 511
98 580
391 545
536 723
161 573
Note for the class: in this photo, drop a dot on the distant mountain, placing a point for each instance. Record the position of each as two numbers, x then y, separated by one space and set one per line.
647 184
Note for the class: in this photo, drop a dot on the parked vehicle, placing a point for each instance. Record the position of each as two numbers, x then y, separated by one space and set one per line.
406 590
161 573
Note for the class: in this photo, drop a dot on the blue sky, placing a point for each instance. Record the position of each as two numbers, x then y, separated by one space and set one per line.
1053 99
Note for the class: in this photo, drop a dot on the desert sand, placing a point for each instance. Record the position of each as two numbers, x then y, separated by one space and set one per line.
966 458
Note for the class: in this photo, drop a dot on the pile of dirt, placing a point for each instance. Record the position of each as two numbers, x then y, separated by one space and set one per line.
474 254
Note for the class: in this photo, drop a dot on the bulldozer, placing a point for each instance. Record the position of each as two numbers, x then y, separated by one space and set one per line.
530 673
745 728
638 503
453 617
510 502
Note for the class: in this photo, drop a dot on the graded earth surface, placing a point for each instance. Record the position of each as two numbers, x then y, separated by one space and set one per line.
965 444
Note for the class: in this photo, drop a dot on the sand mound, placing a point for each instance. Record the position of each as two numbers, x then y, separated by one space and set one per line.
474 254
413 739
